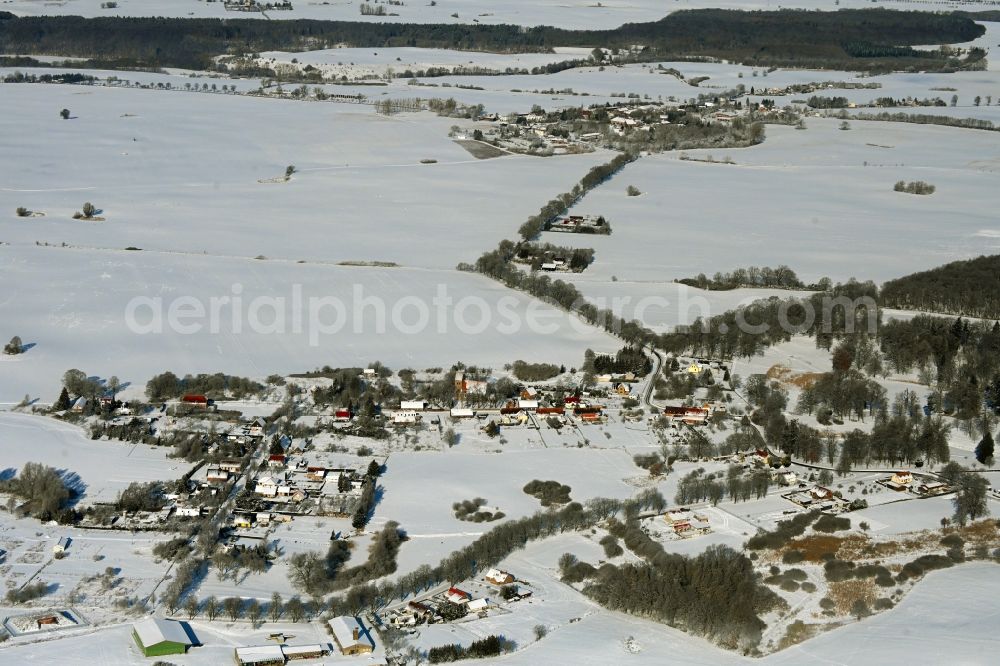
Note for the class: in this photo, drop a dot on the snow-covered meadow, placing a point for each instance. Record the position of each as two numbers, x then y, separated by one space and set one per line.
74 306
96 470
183 173
820 200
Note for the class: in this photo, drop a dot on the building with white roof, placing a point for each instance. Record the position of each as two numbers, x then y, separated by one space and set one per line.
351 636
157 637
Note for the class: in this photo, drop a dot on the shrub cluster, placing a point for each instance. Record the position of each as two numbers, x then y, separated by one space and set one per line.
549 493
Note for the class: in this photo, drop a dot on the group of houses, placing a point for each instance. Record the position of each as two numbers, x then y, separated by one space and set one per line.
906 481
820 498
686 523
282 488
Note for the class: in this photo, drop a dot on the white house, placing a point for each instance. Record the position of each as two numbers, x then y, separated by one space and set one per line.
413 405
405 418
266 487
499 577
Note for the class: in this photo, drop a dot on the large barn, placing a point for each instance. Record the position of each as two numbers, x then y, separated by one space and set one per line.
157 637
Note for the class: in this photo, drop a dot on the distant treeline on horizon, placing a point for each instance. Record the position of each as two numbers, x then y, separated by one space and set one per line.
868 39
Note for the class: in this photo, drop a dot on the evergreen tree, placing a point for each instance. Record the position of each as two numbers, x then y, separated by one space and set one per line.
984 450
62 403
970 500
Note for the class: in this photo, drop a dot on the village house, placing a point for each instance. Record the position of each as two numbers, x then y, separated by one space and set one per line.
195 400
256 427
351 636
232 466
498 577
216 475
820 494
405 418
464 386
457 596
242 521
266 487
900 481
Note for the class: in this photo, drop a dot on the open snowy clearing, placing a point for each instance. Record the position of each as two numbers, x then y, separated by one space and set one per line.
73 304
96 470
378 62
420 488
181 172
662 306
803 198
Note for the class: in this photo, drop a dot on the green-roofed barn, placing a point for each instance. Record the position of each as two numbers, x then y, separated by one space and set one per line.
157 637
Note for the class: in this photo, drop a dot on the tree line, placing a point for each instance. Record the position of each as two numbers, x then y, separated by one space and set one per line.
763 37
781 277
970 287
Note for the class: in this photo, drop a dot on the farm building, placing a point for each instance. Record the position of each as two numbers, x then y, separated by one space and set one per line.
498 577
260 655
196 401
157 637
277 655
351 636
405 418
60 546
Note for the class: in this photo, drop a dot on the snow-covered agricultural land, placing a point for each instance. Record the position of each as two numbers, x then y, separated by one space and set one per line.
353 420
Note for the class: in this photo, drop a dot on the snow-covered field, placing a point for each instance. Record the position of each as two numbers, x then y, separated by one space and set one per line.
420 489
820 200
195 181
98 471
378 62
74 305
181 172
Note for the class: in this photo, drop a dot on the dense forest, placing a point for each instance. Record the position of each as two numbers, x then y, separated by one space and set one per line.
970 288
786 37
715 594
